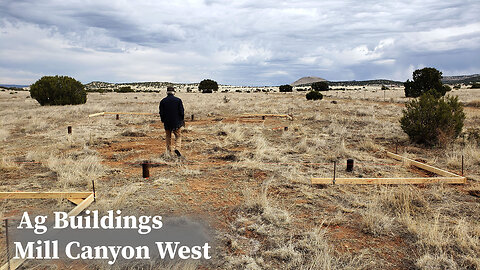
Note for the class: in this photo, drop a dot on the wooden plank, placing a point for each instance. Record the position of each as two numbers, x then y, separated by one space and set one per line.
96 114
134 113
75 201
269 115
44 195
422 165
80 207
389 181
15 263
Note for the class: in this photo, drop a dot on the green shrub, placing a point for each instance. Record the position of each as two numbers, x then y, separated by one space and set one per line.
423 81
58 90
314 95
286 88
475 85
430 120
208 86
320 86
473 135
124 89
384 87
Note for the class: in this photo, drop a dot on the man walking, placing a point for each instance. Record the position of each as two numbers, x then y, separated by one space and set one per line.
172 115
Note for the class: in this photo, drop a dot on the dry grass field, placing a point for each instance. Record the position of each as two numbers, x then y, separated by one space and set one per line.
249 179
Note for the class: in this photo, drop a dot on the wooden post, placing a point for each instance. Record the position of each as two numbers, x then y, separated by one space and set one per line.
349 165
193 117
6 240
118 117
145 170
462 165
93 187
69 129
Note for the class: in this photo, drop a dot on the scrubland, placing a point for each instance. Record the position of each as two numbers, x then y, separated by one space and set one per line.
249 179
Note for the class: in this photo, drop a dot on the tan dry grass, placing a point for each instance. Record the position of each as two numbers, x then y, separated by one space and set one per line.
76 171
7 164
265 231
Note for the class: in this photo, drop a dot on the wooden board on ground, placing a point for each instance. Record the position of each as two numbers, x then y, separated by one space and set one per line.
76 201
422 165
447 177
15 263
389 181
96 114
44 195
132 113
267 115
81 206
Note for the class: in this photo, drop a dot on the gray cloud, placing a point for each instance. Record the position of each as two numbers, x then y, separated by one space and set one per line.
243 42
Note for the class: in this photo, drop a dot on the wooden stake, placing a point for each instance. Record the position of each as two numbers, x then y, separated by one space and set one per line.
349 165
69 129
145 170
118 116
462 165
7 242
193 117
93 187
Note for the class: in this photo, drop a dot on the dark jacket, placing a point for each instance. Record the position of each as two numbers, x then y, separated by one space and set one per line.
172 113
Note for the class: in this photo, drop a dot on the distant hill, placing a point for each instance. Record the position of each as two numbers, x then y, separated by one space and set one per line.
465 79
97 84
13 86
367 82
307 81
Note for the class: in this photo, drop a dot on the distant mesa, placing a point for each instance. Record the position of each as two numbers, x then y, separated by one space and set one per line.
307 80
466 79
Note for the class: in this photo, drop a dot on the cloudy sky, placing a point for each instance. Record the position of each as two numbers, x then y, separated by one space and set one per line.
248 42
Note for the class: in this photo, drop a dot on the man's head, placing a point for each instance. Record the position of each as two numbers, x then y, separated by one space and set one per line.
170 90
